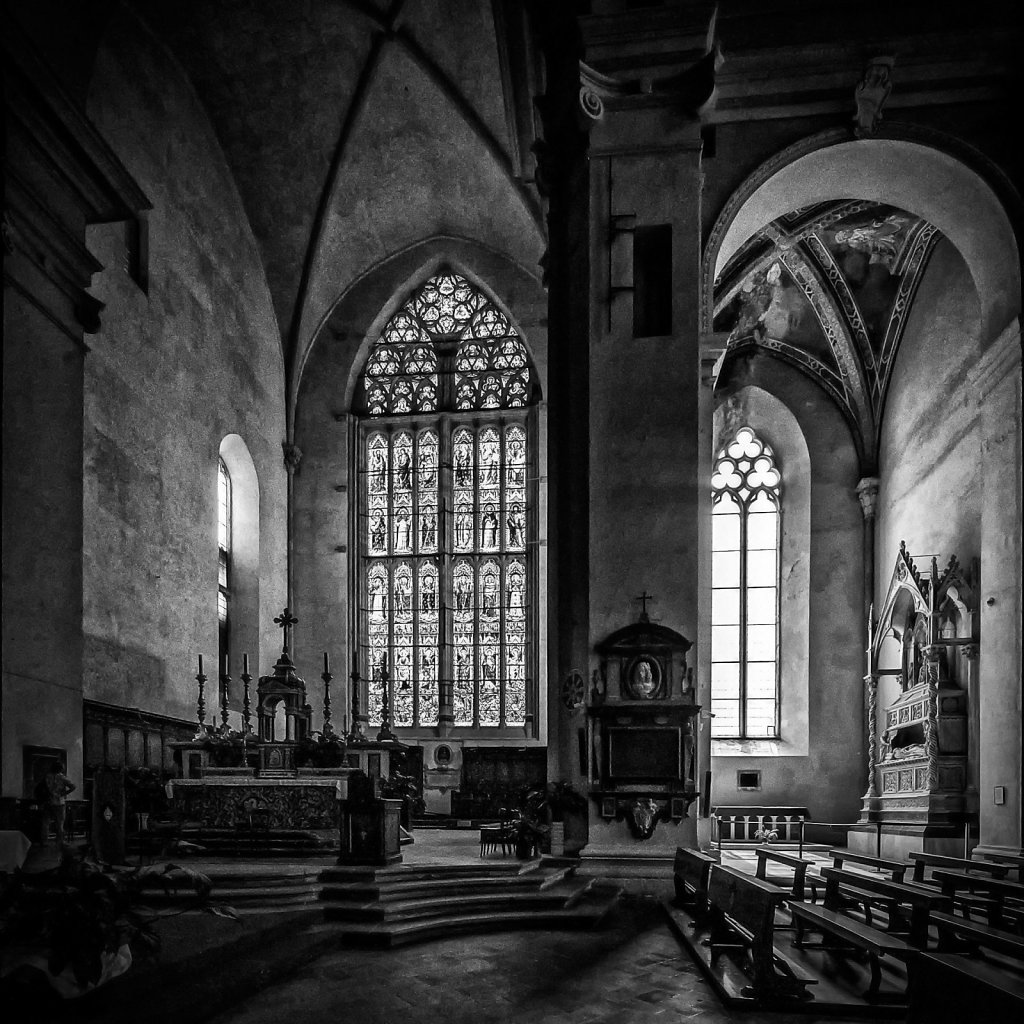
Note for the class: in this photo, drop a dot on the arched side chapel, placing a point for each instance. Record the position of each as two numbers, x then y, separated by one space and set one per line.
679 267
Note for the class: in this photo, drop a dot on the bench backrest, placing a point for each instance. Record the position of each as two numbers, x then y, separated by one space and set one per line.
935 860
896 868
920 902
690 873
746 901
766 853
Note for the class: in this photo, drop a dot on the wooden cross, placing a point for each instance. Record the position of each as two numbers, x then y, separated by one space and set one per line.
286 620
643 599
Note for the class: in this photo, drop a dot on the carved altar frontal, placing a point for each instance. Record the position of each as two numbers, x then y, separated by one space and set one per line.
241 802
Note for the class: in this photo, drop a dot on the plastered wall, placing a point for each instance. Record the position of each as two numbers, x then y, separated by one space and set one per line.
173 371
819 763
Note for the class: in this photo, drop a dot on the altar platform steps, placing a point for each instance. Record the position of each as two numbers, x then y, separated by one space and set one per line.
394 906
253 888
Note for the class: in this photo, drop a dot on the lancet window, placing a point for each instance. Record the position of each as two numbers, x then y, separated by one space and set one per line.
223 559
447 513
746 493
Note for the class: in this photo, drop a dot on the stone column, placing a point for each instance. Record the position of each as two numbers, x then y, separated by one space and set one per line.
563 178
997 381
61 176
867 494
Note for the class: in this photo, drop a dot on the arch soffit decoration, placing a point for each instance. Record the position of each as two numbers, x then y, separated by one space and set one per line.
842 176
387 285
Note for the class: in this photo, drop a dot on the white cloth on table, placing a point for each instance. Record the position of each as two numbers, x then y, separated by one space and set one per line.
14 847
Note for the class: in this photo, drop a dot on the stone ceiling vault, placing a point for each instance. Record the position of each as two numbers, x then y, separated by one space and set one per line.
827 288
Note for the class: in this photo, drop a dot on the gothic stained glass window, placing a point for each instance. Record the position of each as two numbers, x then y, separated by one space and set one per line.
446 511
746 491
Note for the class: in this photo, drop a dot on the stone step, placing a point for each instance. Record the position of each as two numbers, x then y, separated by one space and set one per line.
394 889
345 873
415 909
234 896
385 935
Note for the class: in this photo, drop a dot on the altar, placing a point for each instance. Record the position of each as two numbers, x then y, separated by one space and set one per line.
279 776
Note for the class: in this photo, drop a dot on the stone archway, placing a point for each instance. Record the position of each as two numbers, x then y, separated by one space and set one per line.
922 178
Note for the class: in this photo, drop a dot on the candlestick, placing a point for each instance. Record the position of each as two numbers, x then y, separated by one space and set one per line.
327 677
355 736
246 707
201 702
225 681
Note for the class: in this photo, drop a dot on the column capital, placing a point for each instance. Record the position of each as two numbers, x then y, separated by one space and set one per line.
867 493
971 651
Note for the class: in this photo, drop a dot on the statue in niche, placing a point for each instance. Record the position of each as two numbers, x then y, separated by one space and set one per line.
870 95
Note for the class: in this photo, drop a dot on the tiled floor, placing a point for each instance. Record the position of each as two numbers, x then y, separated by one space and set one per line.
631 972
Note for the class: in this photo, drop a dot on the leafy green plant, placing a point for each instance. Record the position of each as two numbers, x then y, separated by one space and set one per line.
67 926
320 750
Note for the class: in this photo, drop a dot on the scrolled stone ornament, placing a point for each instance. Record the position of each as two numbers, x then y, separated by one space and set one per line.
591 108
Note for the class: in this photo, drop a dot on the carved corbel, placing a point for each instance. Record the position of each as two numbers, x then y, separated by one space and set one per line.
870 95
292 455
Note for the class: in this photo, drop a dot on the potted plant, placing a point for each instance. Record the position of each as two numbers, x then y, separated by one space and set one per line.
320 750
83 923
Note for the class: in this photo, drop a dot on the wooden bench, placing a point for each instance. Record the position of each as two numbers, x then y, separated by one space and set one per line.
969 903
798 864
690 875
920 900
922 861
851 933
1011 861
1007 896
950 989
743 917
957 931
892 870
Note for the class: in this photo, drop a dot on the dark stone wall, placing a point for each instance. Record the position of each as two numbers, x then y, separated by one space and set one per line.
175 368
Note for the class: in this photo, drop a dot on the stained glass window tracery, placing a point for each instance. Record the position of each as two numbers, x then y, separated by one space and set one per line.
746 491
446 512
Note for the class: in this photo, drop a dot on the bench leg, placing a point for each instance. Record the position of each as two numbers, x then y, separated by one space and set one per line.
876 978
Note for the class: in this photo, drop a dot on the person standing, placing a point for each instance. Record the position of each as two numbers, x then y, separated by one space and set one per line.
54 807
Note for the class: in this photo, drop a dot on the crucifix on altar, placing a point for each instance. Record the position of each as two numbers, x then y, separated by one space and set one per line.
283 713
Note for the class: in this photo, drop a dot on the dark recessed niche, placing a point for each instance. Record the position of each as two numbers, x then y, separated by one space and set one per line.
748 780
652 280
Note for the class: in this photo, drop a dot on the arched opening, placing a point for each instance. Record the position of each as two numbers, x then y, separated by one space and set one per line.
239 585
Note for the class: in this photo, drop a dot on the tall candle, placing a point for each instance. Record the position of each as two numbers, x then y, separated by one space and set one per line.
355 663
327 663
226 672
245 664
200 664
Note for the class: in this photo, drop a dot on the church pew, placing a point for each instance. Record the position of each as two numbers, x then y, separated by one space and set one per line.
946 988
847 932
957 931
935 860
799 866
842 887
1008 896
893 870
968 903
1011 861
742 912
690 873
